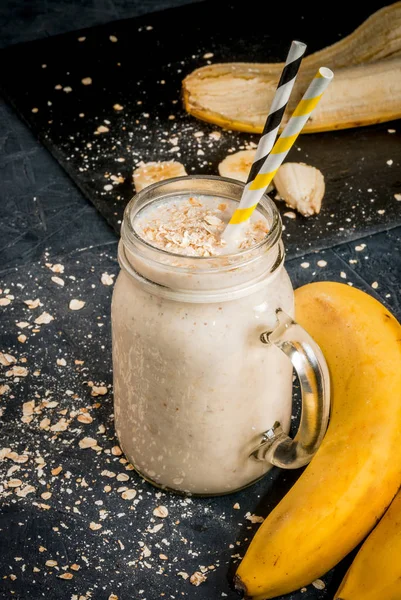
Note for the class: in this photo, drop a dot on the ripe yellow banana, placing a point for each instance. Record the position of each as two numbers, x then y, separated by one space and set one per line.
366 88
151 172
375 573
357 470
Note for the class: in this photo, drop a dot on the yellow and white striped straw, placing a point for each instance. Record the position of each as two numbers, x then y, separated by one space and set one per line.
255 189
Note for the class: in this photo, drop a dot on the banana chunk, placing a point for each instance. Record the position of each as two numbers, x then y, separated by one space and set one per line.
152 172
237 166
301 187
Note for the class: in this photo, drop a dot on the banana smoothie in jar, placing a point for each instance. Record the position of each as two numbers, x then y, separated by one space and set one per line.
204 341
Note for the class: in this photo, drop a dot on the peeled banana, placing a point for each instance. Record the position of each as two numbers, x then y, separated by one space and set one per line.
366 88
375 573
301 187
151 172
357 470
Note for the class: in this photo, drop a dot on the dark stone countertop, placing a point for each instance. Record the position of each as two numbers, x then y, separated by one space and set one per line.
52 223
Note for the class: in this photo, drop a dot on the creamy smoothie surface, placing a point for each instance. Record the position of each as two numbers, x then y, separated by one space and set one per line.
193 225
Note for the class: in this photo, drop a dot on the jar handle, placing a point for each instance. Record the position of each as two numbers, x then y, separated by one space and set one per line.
308 361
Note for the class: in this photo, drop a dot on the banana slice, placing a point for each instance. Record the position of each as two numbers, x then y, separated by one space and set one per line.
238 165
151 172
301 187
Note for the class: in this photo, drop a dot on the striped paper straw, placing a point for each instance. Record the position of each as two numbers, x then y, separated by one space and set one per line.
254 190
278 106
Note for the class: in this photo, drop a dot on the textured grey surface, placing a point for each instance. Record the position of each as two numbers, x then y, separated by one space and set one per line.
49 221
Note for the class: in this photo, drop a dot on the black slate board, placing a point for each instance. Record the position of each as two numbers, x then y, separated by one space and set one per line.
142 71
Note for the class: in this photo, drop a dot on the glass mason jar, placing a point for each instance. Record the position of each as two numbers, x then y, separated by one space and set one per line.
203 352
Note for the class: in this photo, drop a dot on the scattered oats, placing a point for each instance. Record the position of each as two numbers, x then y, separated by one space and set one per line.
389 162
108 187
352 261
128 495
101 129
146 552
107 488
98 390
375 285
112 597
290 215
236 506
58 87
208 55
51 563
56 471
253 518
4 389
22 338
107 279
33 303
397 197
61 425
35 110
44 319
61 362
163 557
110 474
95 526
17 372
81 39
14 483
67 89
85 418
76 304
23 492
343 275
35 570
13 577
305 265
42 549
28 408
116 451
46 495
87 442
117 107
122 477
318 584
155 528
321 263
390 130
86 81
381 212
360 248
183 574
4 301
57 268
160 511
113 38
22 324
197 578
6 359
58 280
120 159
65 576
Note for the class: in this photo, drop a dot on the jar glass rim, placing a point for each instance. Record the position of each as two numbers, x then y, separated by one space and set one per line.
266 206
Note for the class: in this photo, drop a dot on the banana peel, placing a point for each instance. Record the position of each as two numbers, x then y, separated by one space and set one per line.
356 472
366 88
